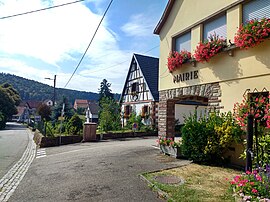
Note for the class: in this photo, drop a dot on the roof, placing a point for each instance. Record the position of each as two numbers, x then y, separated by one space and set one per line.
93 107
81 101
33 104
20 110
80 104
164 16
149 67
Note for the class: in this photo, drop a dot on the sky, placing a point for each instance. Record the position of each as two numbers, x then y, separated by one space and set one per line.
43 44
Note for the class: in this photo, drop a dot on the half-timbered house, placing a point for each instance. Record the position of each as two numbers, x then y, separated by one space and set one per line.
140 93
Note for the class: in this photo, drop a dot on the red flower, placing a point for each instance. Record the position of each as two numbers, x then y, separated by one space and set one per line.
205 50
176 59
252 33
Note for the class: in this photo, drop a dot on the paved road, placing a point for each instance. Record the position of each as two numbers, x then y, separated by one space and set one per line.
13 142
102 171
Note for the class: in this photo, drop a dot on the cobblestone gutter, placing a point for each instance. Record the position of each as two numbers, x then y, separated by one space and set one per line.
11 180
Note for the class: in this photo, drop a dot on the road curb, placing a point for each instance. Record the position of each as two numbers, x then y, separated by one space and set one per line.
13 177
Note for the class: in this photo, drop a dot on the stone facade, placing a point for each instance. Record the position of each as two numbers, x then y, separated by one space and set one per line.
209 94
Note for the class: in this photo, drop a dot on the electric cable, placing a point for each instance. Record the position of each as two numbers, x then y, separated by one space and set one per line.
89 44
122 61
42 9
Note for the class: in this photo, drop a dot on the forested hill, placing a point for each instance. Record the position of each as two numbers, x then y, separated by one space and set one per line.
33 90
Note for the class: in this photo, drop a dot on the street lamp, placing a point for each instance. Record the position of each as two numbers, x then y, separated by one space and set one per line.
54 82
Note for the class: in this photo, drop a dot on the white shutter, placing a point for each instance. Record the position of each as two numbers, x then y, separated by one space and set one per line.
217 26
256 9
183 42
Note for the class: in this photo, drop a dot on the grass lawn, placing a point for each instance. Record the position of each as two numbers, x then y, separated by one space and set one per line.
201 183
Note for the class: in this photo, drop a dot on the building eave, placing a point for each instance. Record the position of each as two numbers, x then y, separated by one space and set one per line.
164 17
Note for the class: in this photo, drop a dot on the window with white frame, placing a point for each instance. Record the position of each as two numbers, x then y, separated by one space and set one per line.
217 26
256 9
183 42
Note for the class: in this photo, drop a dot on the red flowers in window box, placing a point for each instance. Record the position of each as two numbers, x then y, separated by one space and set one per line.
176 59
205 50
252 33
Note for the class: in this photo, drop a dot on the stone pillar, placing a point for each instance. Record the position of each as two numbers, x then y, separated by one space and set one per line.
89 132
166 118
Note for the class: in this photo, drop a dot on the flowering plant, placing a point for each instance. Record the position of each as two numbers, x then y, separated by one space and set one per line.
176 59
205 50
259 107
252 33
253 185
168 142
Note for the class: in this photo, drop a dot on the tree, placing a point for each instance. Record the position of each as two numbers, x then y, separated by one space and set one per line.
45 112
109 116
7 105
105 90
74 125
12 93
57 110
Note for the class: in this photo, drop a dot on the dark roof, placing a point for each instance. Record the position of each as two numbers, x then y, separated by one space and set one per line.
149 67
164 17
93 107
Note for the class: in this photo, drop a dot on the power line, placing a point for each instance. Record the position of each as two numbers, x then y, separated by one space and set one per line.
89 43
42 9
122 61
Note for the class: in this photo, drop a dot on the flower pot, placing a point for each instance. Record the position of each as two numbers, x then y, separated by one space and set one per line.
171 151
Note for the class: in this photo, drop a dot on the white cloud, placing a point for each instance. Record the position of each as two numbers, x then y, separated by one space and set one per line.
140 25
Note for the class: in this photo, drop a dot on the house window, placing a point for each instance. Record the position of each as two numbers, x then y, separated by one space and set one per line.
135 87
183 42
127 110
217 26
145 111
256 9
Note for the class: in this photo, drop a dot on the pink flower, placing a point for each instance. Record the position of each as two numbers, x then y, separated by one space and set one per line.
254 191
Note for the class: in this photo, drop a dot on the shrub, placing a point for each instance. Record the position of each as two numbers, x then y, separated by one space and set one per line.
74 125
205 139
2 121
252 33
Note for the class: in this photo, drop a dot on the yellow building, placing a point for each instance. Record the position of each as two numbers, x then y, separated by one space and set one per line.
226 77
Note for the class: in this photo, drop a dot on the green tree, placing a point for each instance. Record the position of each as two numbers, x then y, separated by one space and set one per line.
12 93
57 110
105 90
2 121
109 116
45 112
74 125
7 105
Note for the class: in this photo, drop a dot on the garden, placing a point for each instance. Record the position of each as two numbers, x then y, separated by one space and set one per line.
206 141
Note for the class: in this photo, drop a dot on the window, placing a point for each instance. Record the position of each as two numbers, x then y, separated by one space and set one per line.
217 26
145 111
183 42
135 87
127 110
256 9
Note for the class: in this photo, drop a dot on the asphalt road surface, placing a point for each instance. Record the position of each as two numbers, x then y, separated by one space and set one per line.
13 142
101 171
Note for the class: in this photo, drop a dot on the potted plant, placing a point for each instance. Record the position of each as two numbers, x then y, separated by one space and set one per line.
170 147
209 48
176 59
252 33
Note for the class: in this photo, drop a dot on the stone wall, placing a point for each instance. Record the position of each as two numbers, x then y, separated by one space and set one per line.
206 93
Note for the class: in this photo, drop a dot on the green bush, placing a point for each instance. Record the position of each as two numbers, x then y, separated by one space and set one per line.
74 125
2 121
207 138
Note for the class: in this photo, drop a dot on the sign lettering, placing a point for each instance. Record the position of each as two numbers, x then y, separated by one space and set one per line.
186 76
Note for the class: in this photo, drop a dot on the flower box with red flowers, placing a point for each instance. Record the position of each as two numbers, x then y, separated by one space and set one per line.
177 59
209 48
252 33
170 147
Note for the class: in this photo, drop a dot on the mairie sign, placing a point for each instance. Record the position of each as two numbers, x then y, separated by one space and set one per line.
186 76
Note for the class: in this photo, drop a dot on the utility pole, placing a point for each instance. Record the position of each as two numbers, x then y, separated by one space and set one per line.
54 90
